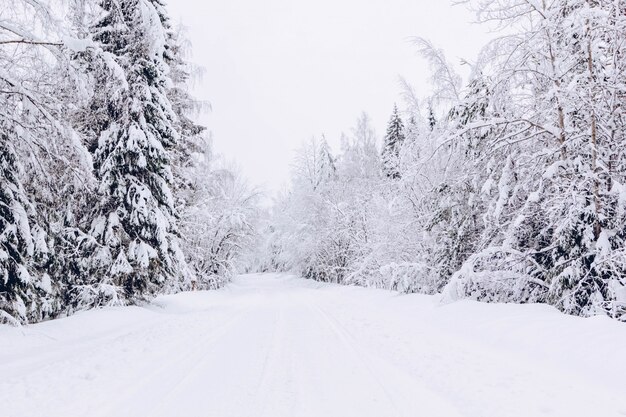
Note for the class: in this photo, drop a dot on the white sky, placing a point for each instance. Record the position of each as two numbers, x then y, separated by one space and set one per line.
281 71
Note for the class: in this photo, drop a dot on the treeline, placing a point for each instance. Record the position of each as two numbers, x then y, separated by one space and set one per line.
511 188
109 192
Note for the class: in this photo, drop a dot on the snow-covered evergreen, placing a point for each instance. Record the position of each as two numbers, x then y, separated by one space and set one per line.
393 141
135 215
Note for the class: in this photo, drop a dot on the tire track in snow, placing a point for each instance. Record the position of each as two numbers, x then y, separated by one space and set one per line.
52 354
276 371
182 363
270 359
387 374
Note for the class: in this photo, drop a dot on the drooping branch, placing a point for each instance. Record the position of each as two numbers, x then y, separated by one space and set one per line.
30 42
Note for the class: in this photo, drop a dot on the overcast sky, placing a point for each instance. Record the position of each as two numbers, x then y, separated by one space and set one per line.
281 71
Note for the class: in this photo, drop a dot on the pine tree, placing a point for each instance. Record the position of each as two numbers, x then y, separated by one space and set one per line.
136 216
432 120
23 250
38 153
393 142
327 168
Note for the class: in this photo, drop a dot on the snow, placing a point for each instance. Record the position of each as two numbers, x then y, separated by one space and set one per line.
553 170
142 253
604 244
275 345
155 35
77 45
23 227
504 189
121 265
534 197
46 283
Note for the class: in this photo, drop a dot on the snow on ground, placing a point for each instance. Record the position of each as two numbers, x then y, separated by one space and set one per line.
274 345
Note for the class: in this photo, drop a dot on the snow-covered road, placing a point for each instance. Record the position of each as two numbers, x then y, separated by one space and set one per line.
273 345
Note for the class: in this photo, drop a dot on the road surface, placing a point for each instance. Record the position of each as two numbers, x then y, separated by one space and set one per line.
277 346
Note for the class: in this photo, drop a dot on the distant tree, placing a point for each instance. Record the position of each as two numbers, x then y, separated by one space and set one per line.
394 139
360 158
217 221
432 120
327 165
314 164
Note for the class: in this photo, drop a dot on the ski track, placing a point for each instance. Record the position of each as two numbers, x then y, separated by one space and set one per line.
277 346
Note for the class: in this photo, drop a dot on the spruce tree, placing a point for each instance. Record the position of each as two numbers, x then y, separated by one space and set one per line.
23 250
392 145
136 217
327 168
432 120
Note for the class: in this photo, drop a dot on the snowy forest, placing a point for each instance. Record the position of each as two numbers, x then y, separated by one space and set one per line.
507 187
109 192
510 188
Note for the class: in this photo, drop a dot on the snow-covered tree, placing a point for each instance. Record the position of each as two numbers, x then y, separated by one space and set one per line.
135 217
392 143
23 248
555 203
41 157
217 222
314 164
